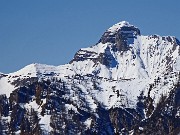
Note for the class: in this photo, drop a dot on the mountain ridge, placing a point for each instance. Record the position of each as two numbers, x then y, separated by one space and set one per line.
109 58
120 82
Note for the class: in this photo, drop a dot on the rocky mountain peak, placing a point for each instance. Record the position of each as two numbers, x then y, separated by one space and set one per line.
120 34
115 39
120 26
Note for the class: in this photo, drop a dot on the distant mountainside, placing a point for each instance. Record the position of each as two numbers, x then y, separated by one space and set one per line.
126 84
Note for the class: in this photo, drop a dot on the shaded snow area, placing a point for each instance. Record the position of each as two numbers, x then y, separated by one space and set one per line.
177 64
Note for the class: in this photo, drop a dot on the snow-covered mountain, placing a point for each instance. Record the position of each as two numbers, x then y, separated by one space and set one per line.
116 86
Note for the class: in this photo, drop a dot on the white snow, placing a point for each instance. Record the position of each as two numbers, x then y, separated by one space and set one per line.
88 122
5 87
118 26
71 107
33 105
45 123
177 64
34 70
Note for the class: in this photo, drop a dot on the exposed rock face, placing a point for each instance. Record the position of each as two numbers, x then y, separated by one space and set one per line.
125 84
119 35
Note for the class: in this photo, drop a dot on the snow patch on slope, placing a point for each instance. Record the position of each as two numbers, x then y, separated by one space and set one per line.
5 87
45 123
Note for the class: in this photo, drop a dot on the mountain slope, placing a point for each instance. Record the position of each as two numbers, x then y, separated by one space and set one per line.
114 87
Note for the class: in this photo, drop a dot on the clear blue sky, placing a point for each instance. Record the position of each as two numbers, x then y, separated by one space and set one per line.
51 31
